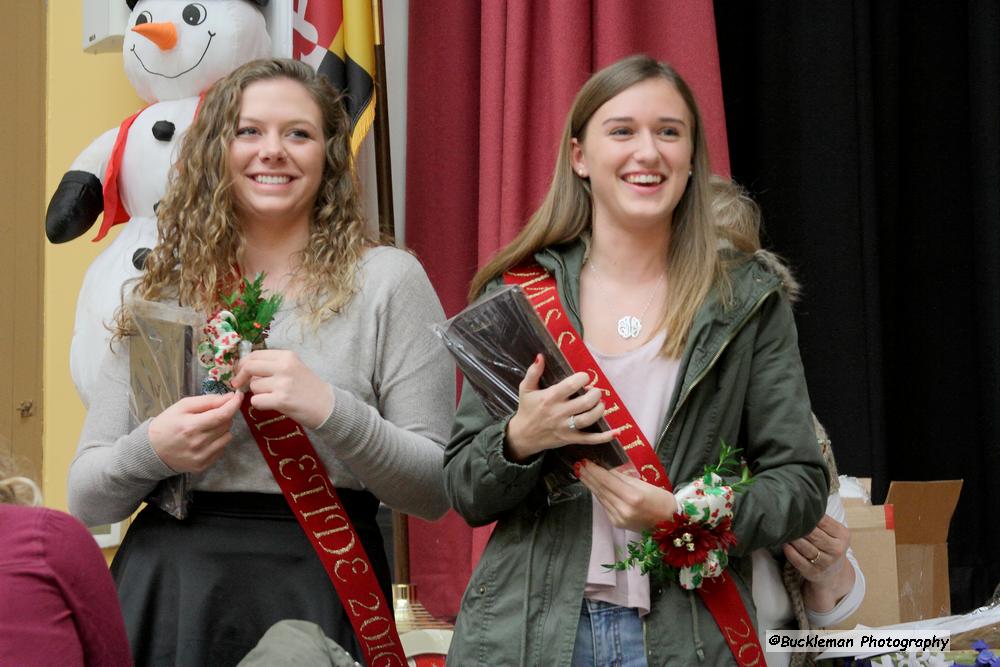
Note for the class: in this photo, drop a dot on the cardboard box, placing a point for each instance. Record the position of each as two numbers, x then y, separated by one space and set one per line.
873 540
902 548
923 513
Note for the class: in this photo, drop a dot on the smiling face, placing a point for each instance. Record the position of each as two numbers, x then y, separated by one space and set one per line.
177 48
276 158
636 150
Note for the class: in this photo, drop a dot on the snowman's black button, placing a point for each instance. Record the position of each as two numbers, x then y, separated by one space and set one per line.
163 130
139 257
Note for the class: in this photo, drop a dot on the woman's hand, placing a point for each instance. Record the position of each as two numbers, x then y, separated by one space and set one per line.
821 557
280 381
631 502
543 418
193 432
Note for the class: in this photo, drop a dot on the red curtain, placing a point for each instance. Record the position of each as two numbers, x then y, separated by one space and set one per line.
490 85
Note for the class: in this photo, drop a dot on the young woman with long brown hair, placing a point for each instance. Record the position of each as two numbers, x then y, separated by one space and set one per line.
701 348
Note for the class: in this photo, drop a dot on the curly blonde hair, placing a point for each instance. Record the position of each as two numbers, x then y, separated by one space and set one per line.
201 244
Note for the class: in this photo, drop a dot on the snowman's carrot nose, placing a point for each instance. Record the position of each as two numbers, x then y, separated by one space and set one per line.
164 35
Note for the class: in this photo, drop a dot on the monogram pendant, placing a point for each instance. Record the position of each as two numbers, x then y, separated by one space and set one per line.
629 327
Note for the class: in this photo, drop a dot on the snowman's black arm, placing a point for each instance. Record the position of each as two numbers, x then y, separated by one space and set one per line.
74 206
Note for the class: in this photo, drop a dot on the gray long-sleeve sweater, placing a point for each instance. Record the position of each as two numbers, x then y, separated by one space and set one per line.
394 388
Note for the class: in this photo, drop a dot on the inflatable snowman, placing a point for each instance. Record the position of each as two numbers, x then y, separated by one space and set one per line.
173 52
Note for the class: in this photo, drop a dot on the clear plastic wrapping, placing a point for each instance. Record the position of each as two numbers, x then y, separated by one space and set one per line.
493 342
164 368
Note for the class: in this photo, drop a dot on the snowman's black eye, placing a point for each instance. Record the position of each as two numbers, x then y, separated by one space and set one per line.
143 17
194 13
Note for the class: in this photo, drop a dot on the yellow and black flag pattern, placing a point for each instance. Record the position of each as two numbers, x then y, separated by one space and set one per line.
337 37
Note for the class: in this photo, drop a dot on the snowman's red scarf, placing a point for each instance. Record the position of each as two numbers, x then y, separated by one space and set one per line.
114 210
719 593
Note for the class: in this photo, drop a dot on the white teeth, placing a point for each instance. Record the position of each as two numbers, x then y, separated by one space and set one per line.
271 180
645 179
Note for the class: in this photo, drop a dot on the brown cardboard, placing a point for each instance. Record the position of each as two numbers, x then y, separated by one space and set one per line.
923 510
913 527
923 513
872 538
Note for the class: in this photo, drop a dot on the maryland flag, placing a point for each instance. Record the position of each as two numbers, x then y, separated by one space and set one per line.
337 37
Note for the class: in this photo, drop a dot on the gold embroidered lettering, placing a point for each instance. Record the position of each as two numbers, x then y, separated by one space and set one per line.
562 336
538 306
614 407
372 606
391 660
529 273
753 659
552 312
375 636
268 422
635 443
336 552
299 462
354 567
731 632
650 473
309 492
734 635
324 480
533 292
594 379
328 508
279 438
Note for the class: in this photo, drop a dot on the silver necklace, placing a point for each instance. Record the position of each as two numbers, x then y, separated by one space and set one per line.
630 326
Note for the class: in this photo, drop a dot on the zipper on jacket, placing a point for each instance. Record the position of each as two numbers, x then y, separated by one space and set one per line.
711 364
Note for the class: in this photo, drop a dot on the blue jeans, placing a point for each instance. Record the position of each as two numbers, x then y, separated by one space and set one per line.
608 636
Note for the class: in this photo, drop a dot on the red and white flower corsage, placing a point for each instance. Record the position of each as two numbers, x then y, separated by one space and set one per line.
694 545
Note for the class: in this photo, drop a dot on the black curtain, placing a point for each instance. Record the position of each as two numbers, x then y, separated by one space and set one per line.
869 131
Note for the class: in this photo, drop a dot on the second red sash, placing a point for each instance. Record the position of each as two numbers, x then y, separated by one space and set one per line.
719 594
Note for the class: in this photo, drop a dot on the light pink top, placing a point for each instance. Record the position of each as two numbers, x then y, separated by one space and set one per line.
645 381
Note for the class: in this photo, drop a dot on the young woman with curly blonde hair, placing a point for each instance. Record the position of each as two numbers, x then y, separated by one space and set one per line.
264 183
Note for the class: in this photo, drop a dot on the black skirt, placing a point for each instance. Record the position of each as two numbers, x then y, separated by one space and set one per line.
202 591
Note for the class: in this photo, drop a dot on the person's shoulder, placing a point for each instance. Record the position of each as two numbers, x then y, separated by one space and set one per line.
390 259
20 515
388 266
60 523
751 273
42 521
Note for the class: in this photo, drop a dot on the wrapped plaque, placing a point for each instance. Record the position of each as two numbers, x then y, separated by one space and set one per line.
494 341
164 368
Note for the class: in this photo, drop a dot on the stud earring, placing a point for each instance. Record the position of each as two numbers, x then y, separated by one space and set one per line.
690 173
580 172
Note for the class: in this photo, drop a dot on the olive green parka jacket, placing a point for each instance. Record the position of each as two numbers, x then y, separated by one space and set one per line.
740 381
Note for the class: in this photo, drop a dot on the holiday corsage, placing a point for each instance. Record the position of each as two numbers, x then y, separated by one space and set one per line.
694 545
244 321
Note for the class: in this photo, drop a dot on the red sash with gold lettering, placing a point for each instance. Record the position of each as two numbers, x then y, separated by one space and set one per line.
312 498
719 594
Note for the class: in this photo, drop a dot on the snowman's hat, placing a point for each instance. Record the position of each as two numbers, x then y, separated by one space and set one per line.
260 3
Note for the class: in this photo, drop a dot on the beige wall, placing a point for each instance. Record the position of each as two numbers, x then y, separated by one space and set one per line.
86 96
